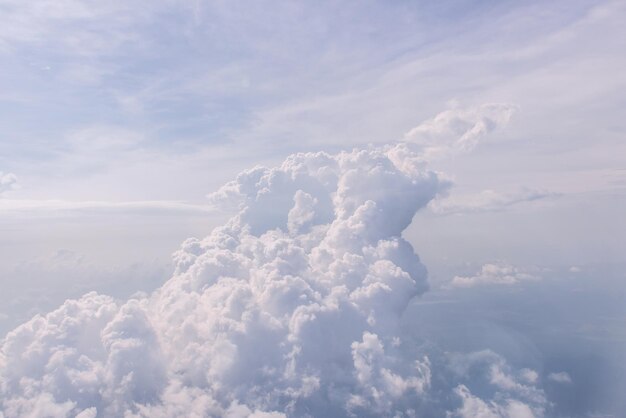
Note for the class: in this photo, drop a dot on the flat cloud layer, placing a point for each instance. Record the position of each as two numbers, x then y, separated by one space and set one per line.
292 308
494 274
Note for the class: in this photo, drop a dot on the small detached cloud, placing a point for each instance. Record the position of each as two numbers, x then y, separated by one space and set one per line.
560 377
8 182
494 274
458 130
486 201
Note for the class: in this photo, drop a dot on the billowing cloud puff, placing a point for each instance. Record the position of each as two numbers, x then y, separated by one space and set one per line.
514 394
7 181
459 129
291 308
560 377
494 274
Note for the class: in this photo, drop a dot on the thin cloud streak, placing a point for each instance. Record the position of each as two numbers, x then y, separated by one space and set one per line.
487 201
21 207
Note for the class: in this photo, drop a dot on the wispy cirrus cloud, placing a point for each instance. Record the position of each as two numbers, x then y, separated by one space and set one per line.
487 201
20 207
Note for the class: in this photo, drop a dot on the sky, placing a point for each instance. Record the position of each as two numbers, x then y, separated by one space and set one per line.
127 127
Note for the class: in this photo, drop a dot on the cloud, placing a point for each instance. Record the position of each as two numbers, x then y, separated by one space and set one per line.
486 201
474 407
292 307
514 395
529 375
44 21
140 207
40 283
8 182
459 129
560 377
494 274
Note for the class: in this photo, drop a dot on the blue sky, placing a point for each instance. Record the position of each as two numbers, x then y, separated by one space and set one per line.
117 119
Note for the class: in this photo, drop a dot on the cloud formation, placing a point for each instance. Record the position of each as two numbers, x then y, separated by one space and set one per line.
486 201
515 393
291 308
494 274
141 207
560 377
7 181
459 129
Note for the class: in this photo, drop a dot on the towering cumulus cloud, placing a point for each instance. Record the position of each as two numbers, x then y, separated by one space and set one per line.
291 308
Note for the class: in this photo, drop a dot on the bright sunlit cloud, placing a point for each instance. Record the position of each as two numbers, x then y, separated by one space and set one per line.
311 151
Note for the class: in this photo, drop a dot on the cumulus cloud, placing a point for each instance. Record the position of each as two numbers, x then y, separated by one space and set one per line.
42 283
494 274
514 394
291 308
486 201
8 181
474 407
459 129
560 377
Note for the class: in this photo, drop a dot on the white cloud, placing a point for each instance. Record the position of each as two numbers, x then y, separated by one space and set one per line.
516 396
292 306
474 407
459 129
560 377
44 21
41 283
8 181
529 375
486 201
521 66
494 274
